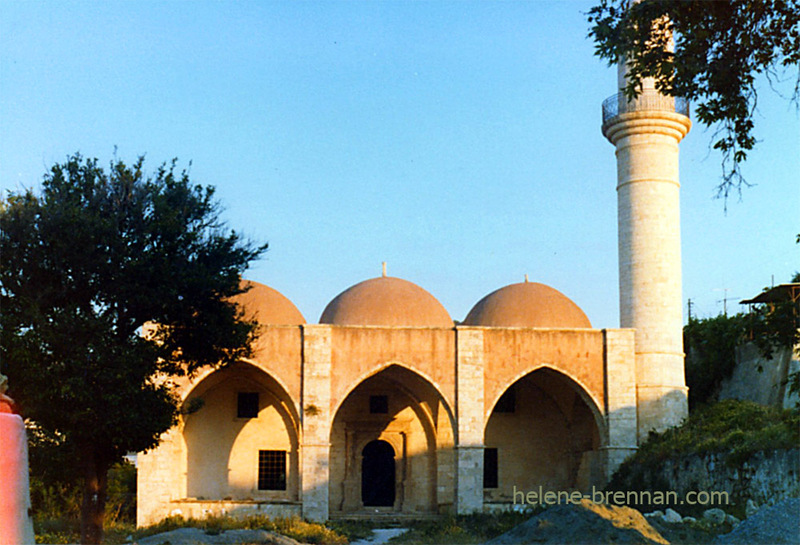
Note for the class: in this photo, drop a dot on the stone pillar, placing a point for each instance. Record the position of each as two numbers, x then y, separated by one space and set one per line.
469 415
161 478
16 526
316 420
646 133
620 396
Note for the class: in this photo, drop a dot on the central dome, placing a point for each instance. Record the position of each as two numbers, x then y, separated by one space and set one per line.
386 301
527 304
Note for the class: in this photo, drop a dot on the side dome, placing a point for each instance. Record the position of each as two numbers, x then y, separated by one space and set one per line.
386 301
527 304
267 306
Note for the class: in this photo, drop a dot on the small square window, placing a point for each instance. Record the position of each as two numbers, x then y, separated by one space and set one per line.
272 470
247 405
379 404
490 468
507 402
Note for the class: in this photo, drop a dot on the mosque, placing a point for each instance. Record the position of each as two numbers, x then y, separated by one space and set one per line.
389 407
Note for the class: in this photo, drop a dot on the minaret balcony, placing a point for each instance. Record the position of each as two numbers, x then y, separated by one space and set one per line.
649 100
648 113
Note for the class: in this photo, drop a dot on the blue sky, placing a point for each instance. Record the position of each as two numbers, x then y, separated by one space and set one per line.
458 141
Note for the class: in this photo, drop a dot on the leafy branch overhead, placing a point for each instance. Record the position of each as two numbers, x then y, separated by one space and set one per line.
720 49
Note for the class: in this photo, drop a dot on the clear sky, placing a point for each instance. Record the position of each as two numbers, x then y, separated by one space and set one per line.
458 141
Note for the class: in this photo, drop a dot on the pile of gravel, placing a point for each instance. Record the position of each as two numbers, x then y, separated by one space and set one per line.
770 525
583 523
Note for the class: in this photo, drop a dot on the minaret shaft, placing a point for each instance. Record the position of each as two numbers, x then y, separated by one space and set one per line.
646 133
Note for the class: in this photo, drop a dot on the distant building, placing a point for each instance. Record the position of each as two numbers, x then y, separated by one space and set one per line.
765 380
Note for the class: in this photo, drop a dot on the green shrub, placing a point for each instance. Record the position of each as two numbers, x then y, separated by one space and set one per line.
710 345
733 429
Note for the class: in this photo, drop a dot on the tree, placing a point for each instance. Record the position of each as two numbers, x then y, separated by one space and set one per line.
720 48
710 345
86 266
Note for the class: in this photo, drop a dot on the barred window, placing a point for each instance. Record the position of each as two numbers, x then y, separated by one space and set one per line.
272 470
247 405
490 468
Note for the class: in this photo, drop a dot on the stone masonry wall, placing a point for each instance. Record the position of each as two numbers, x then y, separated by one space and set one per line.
766 478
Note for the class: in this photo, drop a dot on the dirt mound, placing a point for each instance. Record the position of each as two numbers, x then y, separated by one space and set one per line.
583 523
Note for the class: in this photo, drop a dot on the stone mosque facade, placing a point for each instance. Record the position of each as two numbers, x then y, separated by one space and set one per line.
389 407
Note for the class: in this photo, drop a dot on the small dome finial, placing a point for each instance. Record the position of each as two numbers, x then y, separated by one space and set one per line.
526 278
384 269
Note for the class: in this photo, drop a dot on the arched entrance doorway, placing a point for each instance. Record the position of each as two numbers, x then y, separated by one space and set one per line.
392 446
377 474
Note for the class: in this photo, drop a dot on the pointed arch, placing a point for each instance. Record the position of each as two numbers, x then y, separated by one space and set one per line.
199 384
589 397
423 377
223 448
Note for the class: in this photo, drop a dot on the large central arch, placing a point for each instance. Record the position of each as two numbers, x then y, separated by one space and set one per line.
543 431
401 409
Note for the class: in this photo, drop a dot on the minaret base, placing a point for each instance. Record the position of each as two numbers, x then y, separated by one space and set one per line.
660 408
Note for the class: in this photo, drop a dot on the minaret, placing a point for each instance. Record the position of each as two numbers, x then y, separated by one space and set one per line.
646 132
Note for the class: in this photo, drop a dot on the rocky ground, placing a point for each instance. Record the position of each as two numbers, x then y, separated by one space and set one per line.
584 523
196 536
589 523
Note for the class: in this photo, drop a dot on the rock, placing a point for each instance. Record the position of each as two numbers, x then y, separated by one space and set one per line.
730 519
655 515
672 516
750 509
196 536
689 520
771 525
583 523
714 516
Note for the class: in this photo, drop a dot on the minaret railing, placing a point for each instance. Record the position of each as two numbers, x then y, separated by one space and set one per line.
647 101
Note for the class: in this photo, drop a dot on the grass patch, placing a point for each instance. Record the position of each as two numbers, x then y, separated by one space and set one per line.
294 527
59 531
62 531
461 529
352 529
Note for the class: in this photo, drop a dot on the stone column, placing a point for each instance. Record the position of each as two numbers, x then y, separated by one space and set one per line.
469 415
316 421
646 133
620 396
16 526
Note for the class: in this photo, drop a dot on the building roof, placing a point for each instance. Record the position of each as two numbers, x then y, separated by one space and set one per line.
268 306
386 301
527 304
782 292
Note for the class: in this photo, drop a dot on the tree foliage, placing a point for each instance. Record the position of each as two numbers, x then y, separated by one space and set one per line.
86 266
710 345
720 48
